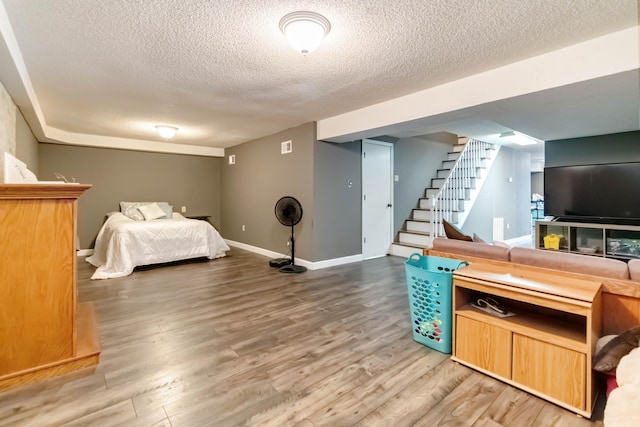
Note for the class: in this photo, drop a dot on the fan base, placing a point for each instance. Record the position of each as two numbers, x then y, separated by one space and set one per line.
292 268
279 262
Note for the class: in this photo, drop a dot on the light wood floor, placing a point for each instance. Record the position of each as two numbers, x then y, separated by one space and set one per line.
234 342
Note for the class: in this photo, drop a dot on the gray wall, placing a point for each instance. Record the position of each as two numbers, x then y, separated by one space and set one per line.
26 144
120 175
416 161
338 215
259 178
500 198
613 148
537 183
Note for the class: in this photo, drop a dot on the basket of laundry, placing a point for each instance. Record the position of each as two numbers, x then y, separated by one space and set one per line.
429 284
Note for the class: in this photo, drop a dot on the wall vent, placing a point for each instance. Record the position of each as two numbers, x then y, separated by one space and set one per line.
286 147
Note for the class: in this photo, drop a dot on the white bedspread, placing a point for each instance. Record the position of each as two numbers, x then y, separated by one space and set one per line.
123 244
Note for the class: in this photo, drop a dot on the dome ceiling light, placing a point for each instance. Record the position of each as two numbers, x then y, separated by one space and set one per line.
305 30
166 132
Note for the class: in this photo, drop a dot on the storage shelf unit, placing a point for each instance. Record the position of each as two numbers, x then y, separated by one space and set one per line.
605 240
546 348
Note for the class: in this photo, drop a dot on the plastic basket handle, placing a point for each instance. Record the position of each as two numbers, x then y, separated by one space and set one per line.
462 264
417 255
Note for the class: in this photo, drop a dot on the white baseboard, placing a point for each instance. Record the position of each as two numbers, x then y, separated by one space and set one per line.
337 261
310 265
84 252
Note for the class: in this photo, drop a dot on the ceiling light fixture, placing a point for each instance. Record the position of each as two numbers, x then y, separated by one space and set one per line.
166 132
305 30
518 138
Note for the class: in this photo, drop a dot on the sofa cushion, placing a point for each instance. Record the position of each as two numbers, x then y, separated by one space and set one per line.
575 263
480 250
634 269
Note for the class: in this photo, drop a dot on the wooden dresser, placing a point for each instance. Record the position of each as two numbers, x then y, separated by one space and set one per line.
43 330
546 348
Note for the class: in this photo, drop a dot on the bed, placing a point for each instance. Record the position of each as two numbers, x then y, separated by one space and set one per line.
124 243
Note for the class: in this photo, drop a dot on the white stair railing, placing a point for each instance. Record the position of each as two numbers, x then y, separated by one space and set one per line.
450 198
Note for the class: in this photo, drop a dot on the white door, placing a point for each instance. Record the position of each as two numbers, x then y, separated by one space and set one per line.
377 198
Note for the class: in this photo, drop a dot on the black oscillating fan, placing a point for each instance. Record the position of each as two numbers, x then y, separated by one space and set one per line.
289 213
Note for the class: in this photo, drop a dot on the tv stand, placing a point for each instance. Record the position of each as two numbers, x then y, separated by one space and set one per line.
545 347
606 240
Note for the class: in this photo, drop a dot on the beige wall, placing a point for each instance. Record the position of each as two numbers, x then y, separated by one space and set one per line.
8 112
26 144
15 135
120 175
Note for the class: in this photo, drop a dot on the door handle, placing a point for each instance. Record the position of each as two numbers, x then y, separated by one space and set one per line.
388 205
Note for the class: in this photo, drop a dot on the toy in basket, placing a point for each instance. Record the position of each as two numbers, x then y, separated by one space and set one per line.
429 283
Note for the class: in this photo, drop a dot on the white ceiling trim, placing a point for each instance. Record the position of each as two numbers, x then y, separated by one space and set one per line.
610 54
61 136
30 107
11 52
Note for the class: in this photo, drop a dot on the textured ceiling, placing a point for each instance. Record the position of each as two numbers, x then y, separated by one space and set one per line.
224 74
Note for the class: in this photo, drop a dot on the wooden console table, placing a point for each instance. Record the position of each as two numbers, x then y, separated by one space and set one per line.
43 330
546 348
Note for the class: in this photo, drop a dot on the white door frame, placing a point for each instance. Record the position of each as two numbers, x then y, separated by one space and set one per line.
364 232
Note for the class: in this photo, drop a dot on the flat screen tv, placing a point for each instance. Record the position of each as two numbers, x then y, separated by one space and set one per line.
608 193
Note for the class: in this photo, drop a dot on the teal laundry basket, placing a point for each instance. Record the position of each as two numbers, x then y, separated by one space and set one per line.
429 285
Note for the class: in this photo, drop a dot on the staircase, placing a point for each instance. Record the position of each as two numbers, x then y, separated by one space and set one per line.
451 195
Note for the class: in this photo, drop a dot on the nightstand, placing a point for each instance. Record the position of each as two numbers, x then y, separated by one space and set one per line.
200 217
203 218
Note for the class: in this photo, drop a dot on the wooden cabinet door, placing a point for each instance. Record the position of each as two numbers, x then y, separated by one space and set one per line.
485 346
37 283
555 371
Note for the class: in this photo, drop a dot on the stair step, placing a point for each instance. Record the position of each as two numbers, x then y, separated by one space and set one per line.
406 250
426 204
439 182
443 173
414 238
425 215
417 225
479 163
448 163
421 214
452 155
458 148
431 192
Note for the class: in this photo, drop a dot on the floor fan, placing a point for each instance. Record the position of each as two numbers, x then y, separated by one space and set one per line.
289 213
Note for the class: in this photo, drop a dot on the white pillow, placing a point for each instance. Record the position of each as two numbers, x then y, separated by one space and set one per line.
151 211
130 209
167 208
